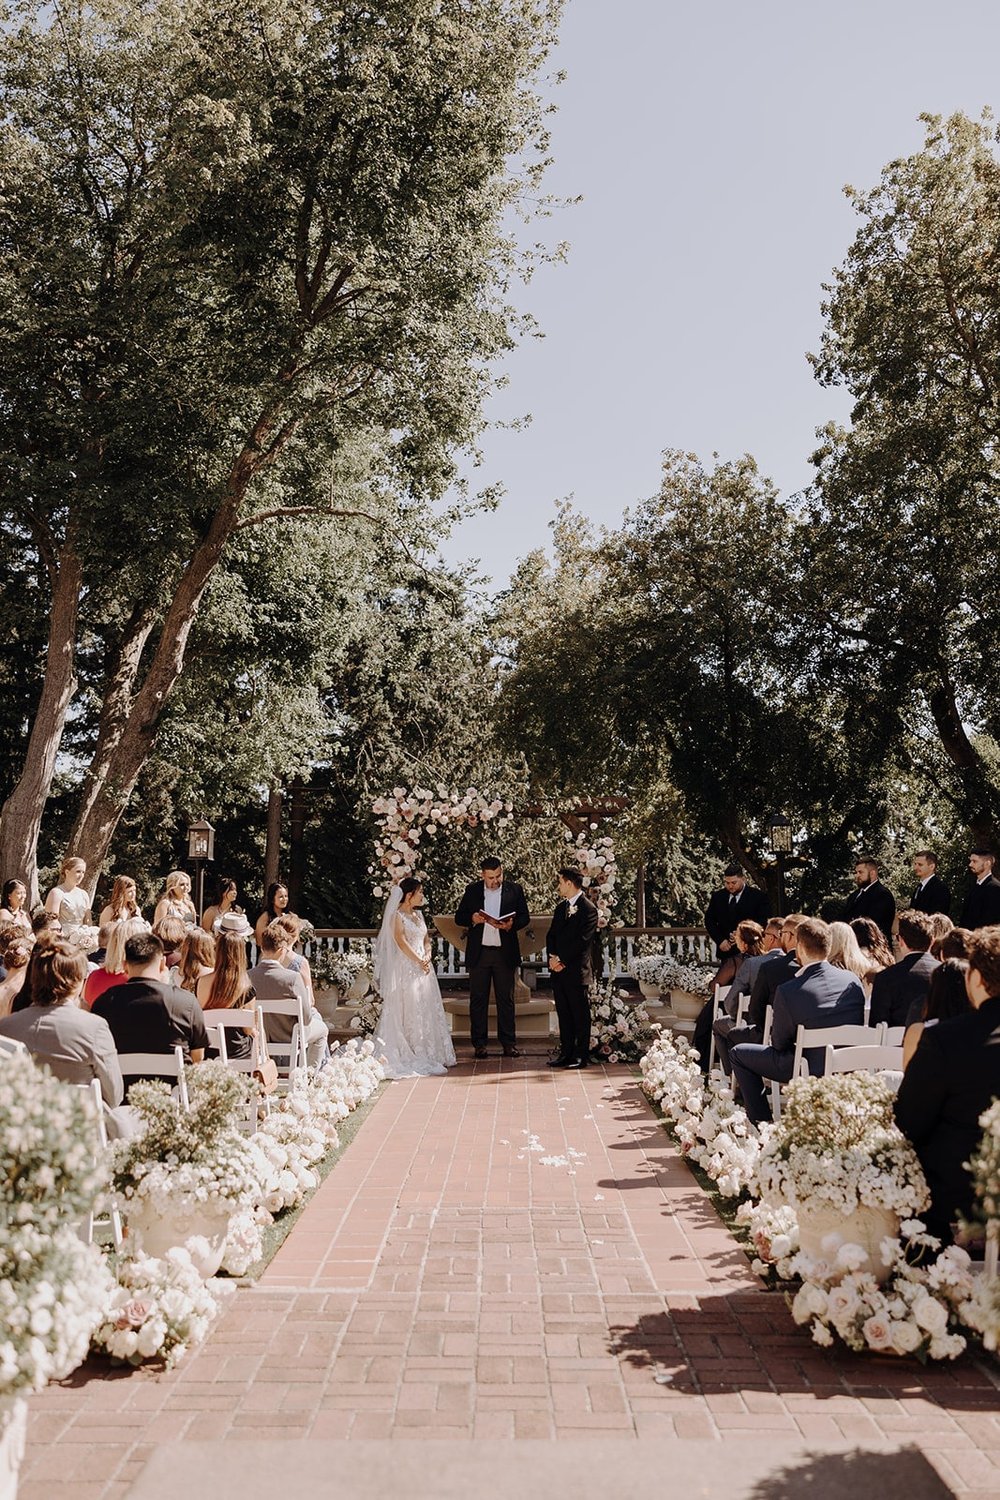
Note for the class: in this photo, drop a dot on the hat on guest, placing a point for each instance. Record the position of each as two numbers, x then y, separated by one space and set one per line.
233 921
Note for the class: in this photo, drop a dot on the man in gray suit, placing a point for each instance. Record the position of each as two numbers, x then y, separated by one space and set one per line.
272 979
819 996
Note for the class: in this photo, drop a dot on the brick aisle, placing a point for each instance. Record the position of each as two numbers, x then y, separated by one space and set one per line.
510 1253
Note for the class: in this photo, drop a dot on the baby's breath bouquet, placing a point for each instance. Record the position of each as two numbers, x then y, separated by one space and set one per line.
664 972
333 970
622 1030
837 1143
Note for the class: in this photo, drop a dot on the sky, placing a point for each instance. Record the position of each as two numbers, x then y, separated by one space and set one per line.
710 141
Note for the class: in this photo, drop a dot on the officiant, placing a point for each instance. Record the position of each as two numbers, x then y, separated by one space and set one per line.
494 911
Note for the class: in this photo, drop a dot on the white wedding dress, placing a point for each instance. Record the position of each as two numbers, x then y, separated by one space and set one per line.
413 1037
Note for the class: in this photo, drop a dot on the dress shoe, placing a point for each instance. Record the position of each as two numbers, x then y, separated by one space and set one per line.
560 1062
481 1052
512 1052
577 1062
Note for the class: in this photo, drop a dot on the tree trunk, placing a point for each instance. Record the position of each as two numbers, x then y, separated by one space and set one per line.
982 797
272 848
297 848
21 818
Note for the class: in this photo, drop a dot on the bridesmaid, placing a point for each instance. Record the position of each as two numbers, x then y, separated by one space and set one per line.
68 900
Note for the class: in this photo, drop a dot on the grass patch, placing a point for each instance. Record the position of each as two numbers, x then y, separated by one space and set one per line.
275 1235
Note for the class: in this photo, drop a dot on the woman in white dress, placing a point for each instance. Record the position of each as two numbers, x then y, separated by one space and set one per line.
67 900
413 1034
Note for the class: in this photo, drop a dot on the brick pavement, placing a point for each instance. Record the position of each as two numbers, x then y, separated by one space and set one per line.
508 1253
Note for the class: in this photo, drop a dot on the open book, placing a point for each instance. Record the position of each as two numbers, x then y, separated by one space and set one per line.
495 921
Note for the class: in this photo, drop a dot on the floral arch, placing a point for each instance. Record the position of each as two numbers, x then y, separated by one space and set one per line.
407 819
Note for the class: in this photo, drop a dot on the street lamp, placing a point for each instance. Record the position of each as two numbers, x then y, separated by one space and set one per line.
780 832
201 848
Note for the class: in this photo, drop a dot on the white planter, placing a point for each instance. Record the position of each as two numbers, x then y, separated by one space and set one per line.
327 1002
686 1004
650 992
361 985
13 1423
866 1227
155 1231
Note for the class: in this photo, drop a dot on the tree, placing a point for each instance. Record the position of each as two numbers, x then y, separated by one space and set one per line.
241 247
904 541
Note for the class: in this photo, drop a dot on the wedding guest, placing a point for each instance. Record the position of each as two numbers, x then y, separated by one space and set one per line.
982 904
171 932
197 958
274 979
735 903
228 892
176 901
297 962
946 997
847 953
749 938
112 971
275 906
15 962
819 996
15 894
45 921
228 987
775 960
871 898
954 944
45 938
9 933
872 940
124 903
940 928
771 976
57 1032
146 1014
931 895
68 900
953 1076
903 986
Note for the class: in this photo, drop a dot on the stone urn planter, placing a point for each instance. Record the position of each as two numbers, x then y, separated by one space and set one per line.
359 988
866 1227
13 1423
328 1000
156 1230
686 1004
650 992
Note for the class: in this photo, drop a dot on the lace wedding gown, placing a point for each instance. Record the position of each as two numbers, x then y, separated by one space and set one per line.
413 1036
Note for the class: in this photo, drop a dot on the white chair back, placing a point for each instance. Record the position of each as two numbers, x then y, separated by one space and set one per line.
9 1047
874 1059
157 1065
294 1050
892 1036
808 1039
217 1023
721 991
113 1217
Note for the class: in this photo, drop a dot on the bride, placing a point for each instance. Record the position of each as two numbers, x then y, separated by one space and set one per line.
413 1031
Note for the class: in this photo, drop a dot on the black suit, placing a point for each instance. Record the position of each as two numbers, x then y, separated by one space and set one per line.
571 938
775 968
953 1076
932 898
875 901
818 997
899 987
487 963
724 914
982 905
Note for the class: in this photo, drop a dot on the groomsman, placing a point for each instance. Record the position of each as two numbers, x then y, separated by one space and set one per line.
737 902
931 895
982 904
872 898
569 947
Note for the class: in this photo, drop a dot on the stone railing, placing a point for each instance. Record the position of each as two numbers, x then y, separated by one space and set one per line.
690 944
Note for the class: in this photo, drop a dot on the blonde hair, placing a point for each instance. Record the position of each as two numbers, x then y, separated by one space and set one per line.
114 954
174 881
72 862
846 952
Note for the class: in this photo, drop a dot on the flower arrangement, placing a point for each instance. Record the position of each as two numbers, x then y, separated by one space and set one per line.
404 817
599 867
622 1031
982 1311
664 972
334 970
712 1129
774 1233
368 1014
53 1287
159 1310
837 1143
82 936
911 1312
193 1157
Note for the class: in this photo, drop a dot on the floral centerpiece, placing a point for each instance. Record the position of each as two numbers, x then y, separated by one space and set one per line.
838 1158
663 972
53 1287
599 868
82 936
187 1172
160 1308
340 971
622 1030
404 817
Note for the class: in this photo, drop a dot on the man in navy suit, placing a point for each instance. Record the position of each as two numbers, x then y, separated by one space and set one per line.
931 894
904 985
820 995
780 965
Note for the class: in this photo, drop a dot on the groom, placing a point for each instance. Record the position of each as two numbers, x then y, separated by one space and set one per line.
494 911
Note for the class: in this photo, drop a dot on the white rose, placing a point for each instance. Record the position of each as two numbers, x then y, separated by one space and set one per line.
931 1315
906 1337
876 1330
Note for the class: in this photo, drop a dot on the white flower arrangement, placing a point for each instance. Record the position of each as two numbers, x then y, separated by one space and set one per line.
664 972
405 816
367 1014
711 1127
599 868
837 1143
911 1312
622 1030
53 1287
159 1310
335 970
774 1233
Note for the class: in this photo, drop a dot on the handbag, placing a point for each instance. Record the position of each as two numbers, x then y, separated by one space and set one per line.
267 1075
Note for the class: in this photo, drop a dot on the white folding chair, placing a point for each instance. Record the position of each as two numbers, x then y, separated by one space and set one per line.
11 1048
892 1036
808 1040
113 1217
775 1085
157 1065
721 991
295 1048
217 1023
874 1059
992 1248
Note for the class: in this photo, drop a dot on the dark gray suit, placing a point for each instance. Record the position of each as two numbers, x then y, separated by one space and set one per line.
899 987
820 996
